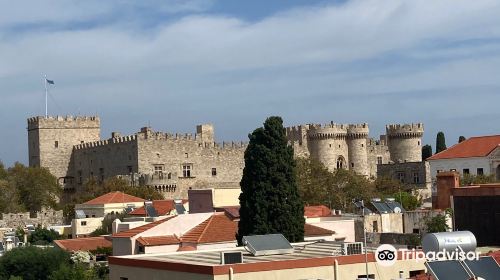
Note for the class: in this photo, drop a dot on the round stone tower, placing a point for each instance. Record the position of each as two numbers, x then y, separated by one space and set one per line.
328 144
405 142
357 135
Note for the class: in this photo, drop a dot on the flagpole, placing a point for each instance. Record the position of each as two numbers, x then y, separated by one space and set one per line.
46 93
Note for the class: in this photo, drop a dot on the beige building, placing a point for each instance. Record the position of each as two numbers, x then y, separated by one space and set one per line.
200 231
89 215
348 146
71 148
322 260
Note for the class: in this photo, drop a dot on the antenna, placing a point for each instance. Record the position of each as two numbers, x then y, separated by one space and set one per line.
46 93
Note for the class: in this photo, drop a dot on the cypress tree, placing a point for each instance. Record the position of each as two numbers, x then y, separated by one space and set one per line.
270 200
461 139
426 152
440 142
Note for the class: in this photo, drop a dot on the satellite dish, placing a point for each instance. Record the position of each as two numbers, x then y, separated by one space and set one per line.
397 210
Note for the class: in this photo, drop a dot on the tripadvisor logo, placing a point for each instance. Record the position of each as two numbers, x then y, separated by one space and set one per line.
386 255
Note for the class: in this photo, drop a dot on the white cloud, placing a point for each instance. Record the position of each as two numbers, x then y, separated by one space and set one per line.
308 64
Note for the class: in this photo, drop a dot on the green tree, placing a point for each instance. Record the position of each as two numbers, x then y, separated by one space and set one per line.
348 186
107 223
314 181
469 179
440 142
36 187
387 186
71 272
426 152
43 236
461 139
3 171
270 200
9 198
408 200
93 189
436 224
318 185
31 263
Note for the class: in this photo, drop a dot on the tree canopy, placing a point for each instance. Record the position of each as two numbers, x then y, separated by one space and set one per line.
426 152
43 236
93 189
436 224
34 263
25 188
440 142
461 139
31 263
337 189
469 179
408 200
270 200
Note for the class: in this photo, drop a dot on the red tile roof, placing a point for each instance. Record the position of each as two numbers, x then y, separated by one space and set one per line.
217 228
184 248
495 255
114 197
84 244
472 147
232 211
135 231
310 230
220 228
158 240
163 207
317 211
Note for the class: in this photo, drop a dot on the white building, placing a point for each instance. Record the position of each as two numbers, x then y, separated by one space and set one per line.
475 156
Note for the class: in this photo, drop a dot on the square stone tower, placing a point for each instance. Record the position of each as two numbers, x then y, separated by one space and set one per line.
51 141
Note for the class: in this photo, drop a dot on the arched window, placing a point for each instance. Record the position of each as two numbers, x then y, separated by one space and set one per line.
341 162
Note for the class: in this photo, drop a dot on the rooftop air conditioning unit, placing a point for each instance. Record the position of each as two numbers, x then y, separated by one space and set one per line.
352 248
231 257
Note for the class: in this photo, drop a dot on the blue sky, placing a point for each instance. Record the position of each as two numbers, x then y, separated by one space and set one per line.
174 64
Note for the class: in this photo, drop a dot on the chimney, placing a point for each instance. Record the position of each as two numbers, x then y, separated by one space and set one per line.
446 181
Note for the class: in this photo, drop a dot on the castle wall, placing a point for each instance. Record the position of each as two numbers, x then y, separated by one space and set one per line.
357 145
405 142
210 164
378 152
328 145
297 138
51 140
104 159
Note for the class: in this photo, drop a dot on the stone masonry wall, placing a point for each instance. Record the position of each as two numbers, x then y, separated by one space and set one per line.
210 164
45 217
349 143
104 159
405 142
51 140
156 159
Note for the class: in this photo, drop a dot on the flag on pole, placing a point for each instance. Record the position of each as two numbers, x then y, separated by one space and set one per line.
50 82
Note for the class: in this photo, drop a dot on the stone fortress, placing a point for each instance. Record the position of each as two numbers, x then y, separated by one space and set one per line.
348 146
71 148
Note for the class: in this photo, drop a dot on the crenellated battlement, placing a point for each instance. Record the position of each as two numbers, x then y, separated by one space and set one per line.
63 122
327 131
115 140
358 131
414 130
159 136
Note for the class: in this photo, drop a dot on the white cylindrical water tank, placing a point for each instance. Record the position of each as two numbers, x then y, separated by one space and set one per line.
449 241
